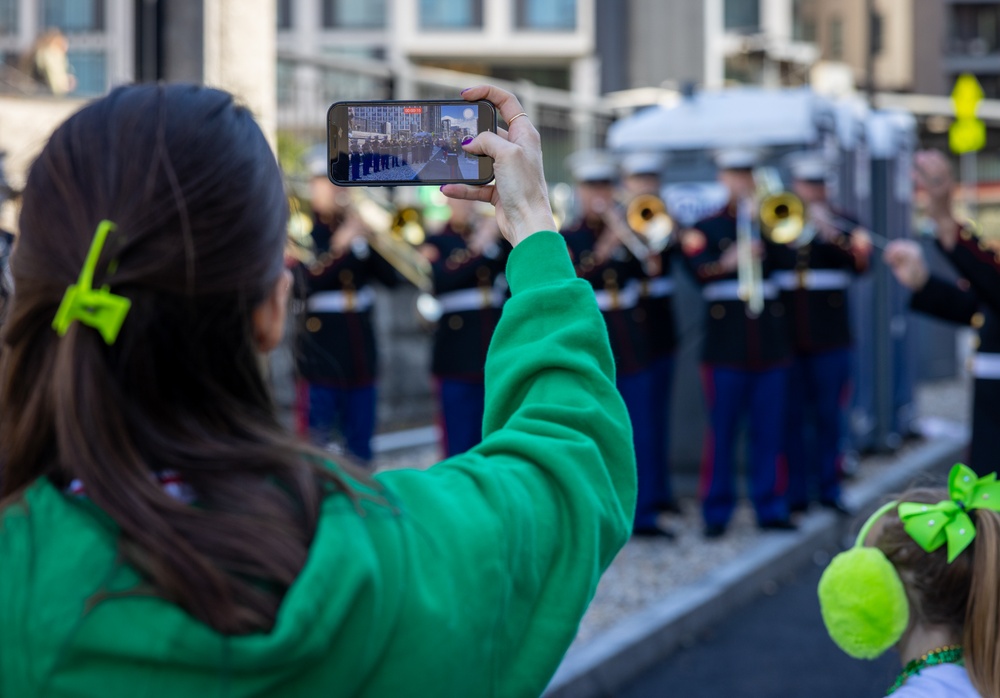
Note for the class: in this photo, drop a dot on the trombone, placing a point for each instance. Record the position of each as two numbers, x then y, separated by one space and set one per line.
395 235
645 230
647 216
749 271
782 219
299 245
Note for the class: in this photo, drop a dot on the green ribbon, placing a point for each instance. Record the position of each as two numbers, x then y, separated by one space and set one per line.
933 525
100 309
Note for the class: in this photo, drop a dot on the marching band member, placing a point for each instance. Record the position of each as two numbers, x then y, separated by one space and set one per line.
975 258
336 352
820 266
641 176
468 258
615 274
746 355
936 297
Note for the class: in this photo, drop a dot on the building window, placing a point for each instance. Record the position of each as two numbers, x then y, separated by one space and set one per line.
8 17
74 15
878 31
285 75
284 14
975 29
742 16
352 14
546 14
91 70
836 38
804 20
451 14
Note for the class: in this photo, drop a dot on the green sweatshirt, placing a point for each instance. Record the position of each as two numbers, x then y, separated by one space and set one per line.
471 585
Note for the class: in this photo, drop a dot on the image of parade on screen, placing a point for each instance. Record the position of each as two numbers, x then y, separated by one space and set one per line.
393 142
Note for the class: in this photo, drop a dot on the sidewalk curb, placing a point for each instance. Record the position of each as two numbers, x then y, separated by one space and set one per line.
601 667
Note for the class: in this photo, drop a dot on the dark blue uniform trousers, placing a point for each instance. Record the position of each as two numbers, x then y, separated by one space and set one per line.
662 391
462 404
818 389
730 394
636 390
349 410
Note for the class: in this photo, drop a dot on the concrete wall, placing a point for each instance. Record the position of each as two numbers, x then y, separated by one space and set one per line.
929 32
25 126
666 42
229 44
894 65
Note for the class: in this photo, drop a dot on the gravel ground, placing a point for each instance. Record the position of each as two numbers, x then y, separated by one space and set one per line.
646 571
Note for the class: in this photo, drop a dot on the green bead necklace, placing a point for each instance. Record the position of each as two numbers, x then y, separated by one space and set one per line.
952 654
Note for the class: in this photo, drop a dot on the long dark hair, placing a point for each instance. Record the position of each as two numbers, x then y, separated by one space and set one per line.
197 197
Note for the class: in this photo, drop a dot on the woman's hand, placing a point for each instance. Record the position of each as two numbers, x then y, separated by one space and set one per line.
518 192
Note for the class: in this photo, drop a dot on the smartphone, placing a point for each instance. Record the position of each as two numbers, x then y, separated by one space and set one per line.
393 143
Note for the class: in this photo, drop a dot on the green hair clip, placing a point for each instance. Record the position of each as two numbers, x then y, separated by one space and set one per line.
100 309
948 521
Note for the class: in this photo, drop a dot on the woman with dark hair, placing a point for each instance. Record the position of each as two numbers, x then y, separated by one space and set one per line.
161 533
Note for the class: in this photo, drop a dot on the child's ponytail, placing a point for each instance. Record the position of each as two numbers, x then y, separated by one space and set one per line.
982 618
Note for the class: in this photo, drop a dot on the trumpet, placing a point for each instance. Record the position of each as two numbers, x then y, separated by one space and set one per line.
646 214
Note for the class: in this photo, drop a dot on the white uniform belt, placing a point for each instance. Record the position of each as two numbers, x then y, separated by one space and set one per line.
986 366
659 287
341 301
813 280
728 290
622 299
469 299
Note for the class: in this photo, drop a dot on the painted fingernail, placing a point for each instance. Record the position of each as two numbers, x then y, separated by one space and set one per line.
441 188
467 140
466 90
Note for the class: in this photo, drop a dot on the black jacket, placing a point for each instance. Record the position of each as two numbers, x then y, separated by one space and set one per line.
732 337
462 337
338 348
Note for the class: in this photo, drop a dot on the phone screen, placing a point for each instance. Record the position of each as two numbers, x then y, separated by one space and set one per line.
407 142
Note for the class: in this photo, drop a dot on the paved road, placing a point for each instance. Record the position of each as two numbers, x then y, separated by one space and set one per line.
774 648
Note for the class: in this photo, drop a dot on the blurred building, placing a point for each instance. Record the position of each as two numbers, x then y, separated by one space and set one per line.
99 53
223 43
916 46
547 42
710 44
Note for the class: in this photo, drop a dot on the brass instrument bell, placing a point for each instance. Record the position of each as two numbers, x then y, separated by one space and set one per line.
646 214
782 218
299 228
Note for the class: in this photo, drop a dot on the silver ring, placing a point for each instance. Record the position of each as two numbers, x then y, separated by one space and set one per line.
514 118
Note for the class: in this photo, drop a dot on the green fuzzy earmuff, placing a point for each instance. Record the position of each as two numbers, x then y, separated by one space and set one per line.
862 598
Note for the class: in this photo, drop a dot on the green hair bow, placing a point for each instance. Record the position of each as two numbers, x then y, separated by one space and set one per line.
100 309
933 525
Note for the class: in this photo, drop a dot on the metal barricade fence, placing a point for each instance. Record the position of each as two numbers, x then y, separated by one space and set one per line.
307 85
